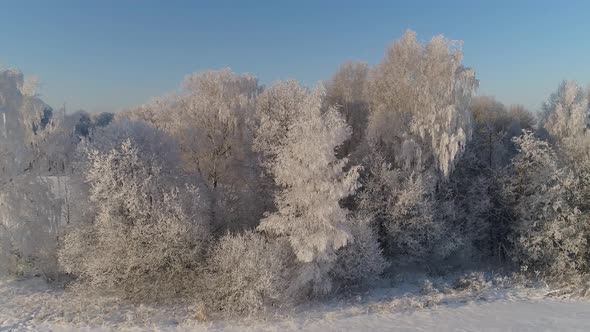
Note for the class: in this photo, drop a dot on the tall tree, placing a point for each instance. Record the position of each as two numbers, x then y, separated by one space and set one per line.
419 98
347 92
313 181
212 121
566 113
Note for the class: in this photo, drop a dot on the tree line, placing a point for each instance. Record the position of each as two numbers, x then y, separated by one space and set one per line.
245 197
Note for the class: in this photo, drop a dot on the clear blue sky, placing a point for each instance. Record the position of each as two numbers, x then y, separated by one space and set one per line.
108 55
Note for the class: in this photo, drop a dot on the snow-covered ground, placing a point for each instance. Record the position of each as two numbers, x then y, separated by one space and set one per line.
31 305
514 315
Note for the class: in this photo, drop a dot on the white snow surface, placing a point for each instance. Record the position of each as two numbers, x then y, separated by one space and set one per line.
32 305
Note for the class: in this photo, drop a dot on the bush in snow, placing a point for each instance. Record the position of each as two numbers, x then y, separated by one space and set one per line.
361 260
247 273
148 236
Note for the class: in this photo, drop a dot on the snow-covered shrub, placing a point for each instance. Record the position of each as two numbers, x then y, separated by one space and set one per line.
474 281
247 273
148 236
361 260
428 287
313 181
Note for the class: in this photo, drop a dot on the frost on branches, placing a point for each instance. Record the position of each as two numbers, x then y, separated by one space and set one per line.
361 261
277 108
548 190
402 206
148 236
243 199
419 99
211 120
566 114
248 273
566 118
550 234
313 181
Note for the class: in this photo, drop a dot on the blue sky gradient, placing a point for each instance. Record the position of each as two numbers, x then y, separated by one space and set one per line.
108 55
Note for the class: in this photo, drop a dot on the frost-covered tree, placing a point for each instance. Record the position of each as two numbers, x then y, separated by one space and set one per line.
419 99
490 126
347 92
482 224
521 118
550 232
402 207
211 119
213 114
547 189
418 127
158 112
277 108
148 236
566 113
12 143
471 207
313 181
30 225
566 118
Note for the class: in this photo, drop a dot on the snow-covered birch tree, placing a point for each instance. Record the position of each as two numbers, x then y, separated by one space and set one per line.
419 97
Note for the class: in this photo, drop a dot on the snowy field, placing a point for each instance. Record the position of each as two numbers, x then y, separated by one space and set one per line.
31 305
